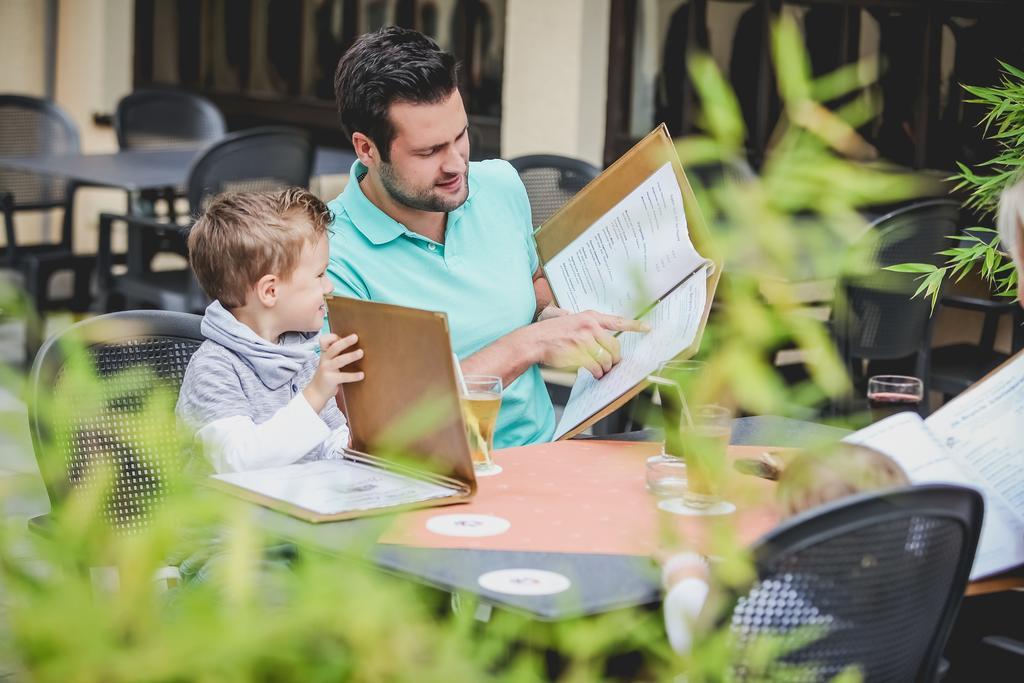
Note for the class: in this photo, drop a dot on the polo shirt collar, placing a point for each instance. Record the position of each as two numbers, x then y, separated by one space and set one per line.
377 226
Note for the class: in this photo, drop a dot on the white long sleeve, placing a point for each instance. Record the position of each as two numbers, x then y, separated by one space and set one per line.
235 444
681 608
337 442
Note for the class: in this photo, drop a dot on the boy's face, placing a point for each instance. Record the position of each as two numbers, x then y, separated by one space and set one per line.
300 300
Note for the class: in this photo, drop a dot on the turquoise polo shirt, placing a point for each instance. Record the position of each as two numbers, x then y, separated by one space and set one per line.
481 277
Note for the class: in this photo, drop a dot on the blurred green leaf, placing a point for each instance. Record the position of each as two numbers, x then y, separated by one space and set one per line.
721 115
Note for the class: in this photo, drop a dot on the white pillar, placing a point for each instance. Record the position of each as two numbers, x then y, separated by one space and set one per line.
22 47
94 63
94 71
556 78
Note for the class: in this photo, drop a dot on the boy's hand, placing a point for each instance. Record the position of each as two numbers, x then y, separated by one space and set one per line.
328 375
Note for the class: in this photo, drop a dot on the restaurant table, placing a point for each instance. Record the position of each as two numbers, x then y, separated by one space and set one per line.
600 582
137 170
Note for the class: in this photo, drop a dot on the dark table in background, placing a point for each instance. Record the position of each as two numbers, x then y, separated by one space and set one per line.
137 170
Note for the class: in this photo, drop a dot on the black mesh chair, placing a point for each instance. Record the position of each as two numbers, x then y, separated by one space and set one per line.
954 367
166 119
551 181
256 159
872 582
874 317
70 445
33 126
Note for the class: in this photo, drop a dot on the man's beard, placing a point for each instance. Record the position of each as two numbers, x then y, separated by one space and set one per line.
423 200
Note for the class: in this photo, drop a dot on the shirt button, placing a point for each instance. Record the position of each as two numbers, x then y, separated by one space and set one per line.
432 247
295 388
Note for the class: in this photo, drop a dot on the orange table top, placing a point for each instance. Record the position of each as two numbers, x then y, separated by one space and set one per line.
588 497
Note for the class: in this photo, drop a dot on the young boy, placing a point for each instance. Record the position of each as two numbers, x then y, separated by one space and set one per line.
810 480
255 390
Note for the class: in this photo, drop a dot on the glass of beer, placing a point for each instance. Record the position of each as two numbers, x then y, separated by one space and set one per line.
481 401
891 394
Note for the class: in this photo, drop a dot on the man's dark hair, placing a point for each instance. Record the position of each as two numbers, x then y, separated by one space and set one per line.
390 65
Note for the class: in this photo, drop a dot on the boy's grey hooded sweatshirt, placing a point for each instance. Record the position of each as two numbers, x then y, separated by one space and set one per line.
243 396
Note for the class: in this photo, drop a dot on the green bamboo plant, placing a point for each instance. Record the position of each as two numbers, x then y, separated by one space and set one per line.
245 617
979 249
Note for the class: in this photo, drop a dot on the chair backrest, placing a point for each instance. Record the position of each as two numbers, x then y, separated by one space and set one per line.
101 423
29 125
875 316
551 181
166 119
267 158
872 581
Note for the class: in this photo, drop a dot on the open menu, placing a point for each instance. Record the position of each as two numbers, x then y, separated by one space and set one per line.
332 489
630 244
975 440
634 255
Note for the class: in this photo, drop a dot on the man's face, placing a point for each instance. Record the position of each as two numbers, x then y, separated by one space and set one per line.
429 167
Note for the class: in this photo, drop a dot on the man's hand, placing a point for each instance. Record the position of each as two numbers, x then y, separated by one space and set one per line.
328 375
551 311
582 340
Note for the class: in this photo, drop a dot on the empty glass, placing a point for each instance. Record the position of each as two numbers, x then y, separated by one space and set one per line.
891 394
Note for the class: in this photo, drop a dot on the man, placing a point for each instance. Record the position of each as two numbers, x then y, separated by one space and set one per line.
419 225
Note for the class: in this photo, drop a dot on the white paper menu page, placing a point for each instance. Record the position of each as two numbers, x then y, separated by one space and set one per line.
674 324
923 455
631 256
331 487
984 428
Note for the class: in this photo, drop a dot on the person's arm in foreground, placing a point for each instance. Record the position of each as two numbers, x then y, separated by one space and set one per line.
685 578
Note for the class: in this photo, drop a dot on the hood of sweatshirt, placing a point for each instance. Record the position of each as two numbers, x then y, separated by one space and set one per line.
274 364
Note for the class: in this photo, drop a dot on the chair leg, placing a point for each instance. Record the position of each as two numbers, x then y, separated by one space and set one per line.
10 253
35 313
81 297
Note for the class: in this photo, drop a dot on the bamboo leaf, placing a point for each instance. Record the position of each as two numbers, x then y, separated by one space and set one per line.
911 268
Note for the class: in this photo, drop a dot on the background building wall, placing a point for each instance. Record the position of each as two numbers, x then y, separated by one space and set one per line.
555 80
23 47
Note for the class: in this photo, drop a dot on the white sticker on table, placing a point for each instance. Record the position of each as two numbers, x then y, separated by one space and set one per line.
524 582
468 525
678 507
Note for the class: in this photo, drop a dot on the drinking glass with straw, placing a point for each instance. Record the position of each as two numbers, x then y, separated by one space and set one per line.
696 438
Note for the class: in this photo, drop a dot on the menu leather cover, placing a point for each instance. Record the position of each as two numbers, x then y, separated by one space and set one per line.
408 404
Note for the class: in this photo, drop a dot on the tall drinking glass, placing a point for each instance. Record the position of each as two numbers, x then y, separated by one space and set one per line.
481 402
891 394
703 444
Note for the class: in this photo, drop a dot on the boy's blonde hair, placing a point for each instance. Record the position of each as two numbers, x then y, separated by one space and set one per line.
813 479
243 236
